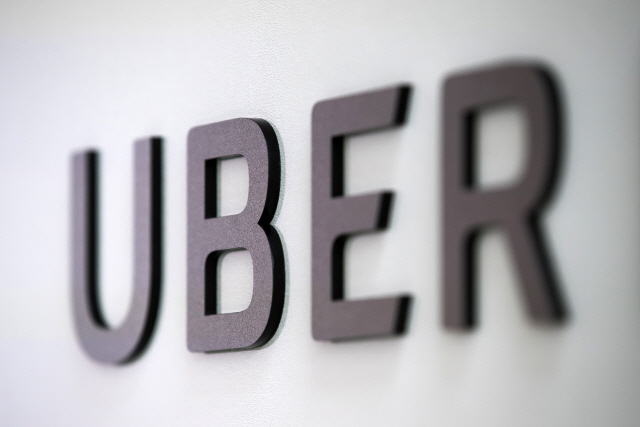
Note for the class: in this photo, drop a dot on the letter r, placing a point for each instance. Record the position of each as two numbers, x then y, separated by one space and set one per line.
516 208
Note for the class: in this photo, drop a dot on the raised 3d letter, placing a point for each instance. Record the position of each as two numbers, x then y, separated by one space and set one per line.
128 341
209 236
336 217
516 208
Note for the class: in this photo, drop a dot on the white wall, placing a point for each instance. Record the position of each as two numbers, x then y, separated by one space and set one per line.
76 73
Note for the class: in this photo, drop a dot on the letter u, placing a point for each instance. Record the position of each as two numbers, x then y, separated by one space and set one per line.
127 342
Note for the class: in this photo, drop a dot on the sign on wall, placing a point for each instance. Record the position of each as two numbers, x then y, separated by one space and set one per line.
437 218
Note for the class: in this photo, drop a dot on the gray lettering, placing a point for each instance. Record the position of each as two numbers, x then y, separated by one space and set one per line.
516 208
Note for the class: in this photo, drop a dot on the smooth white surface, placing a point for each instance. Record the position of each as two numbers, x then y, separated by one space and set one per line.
79 73
501 141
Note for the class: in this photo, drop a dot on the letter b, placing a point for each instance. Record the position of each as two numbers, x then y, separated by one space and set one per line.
209 236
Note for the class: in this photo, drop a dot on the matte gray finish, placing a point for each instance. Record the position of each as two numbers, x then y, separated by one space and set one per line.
128 341
516 209
209 236
335 217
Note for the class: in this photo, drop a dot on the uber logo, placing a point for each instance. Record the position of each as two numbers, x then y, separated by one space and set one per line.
335 217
